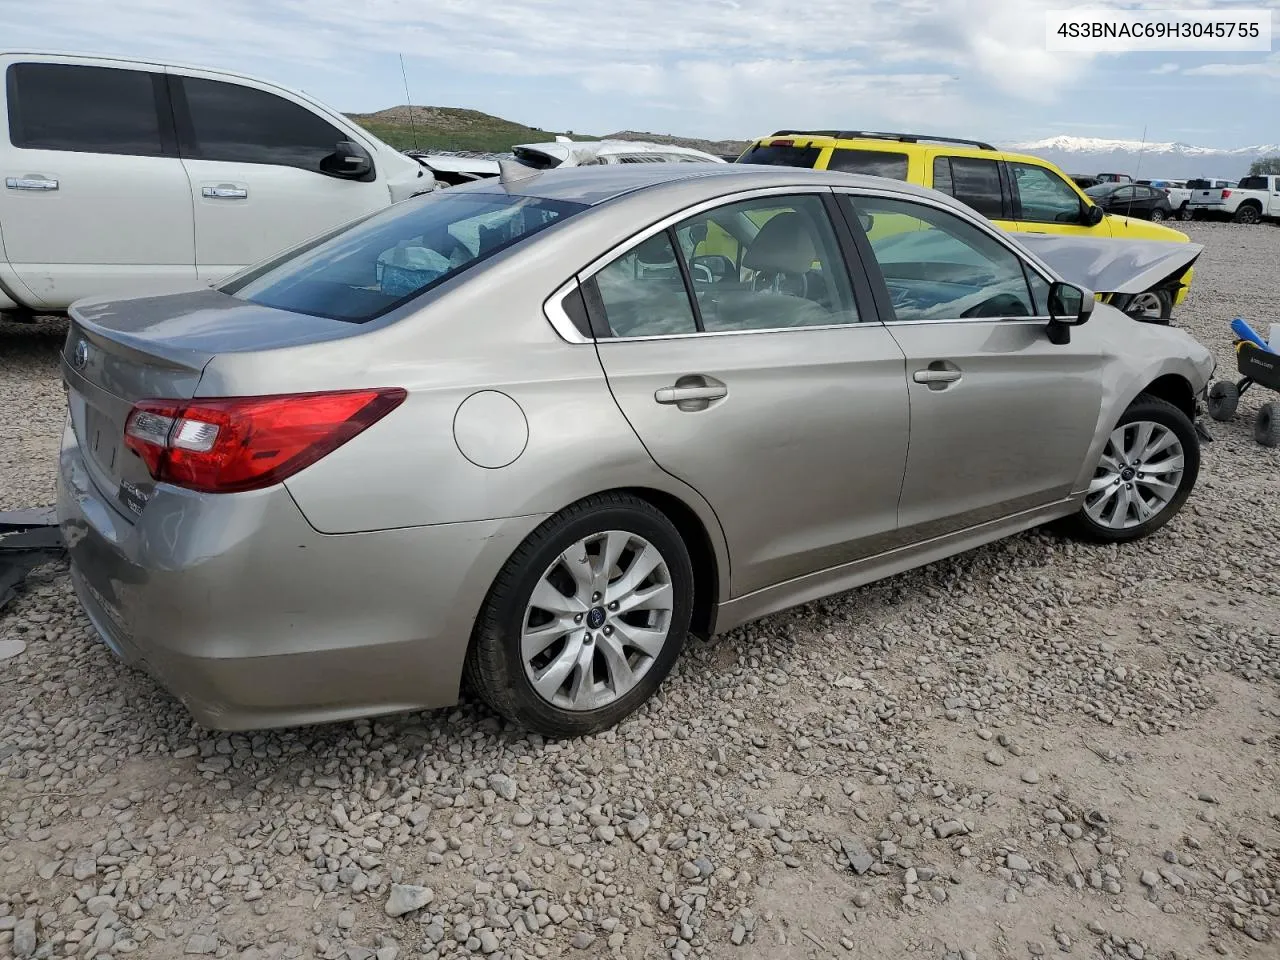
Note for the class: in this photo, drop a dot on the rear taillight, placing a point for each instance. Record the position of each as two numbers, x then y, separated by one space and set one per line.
246 443
1225 194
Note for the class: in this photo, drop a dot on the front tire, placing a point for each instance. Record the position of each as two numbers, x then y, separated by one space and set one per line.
1157 215
586 618
1224 398
1186 213
1145 474
1153 306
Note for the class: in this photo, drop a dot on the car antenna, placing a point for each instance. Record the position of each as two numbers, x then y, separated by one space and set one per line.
409 102
1141 150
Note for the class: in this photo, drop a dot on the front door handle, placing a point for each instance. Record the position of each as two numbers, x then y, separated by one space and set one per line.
225 191
692 393
936 376
31 183
681 394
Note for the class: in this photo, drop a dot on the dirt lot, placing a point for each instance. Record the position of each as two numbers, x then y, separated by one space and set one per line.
1037 748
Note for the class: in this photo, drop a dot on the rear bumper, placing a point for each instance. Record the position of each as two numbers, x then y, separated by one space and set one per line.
251 618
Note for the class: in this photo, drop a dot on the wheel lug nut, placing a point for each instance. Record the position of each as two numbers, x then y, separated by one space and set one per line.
595 598
614 605
578 618
608 631
588 638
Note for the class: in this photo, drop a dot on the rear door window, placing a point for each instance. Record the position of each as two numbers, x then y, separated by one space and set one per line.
1253 183
83 109
781 155
971 181
873 163
241 124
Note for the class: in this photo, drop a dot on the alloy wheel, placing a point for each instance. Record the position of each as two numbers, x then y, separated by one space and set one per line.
597 620
1145 306
1138 476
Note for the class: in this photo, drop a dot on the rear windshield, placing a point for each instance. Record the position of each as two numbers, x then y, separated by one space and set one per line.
363 270
1198 184
781 156
874 163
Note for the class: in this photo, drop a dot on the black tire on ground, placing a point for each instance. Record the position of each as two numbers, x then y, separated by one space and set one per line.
1186 213
1157 215
1149 408
1224 397
1266 426
1248 213
494 665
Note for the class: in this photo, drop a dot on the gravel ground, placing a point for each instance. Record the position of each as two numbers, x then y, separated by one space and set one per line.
1035 748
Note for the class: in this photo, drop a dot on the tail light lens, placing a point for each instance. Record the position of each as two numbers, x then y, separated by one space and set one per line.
246 443
1225 194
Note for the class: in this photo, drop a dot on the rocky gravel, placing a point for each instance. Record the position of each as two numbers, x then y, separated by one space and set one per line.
1035 749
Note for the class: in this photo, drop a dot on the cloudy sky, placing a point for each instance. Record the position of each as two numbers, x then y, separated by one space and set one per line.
716 68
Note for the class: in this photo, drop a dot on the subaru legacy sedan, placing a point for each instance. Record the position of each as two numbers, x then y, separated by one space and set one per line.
531 432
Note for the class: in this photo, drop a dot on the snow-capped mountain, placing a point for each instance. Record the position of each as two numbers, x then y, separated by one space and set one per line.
1178 161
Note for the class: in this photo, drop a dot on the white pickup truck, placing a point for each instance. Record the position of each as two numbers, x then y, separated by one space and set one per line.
121 177
1249 201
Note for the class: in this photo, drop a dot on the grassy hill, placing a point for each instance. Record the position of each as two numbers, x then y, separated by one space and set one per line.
453 128
450 128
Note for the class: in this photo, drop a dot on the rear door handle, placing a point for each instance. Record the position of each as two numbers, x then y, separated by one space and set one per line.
31 183
936 376
225 191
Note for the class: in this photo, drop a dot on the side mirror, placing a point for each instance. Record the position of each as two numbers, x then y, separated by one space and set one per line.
1069 306
348 161
1093 215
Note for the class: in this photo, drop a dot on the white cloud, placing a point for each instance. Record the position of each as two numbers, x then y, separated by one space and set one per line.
1270 67
1167 68
735 65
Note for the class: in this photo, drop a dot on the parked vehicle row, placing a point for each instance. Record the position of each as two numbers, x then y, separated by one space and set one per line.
1020 193
1251 200
587 364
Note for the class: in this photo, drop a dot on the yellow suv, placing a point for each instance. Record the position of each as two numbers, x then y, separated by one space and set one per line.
1020 193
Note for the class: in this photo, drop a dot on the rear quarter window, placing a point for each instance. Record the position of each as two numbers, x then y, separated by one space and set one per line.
781 155
1253 183
873 163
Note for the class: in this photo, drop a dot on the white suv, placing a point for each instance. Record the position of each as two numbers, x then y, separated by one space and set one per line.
120 177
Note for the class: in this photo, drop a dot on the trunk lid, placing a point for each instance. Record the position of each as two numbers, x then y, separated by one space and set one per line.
118 352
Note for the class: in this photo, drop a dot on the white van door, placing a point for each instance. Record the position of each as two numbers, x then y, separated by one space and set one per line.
93 197
267 170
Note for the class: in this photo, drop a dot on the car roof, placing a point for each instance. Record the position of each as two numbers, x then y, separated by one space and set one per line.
895 143
593 185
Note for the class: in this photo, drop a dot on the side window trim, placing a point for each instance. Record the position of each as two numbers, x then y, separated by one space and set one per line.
586 276
1007 208
880 289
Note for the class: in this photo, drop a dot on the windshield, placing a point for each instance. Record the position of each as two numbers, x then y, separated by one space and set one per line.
781 156
365 269
1101 190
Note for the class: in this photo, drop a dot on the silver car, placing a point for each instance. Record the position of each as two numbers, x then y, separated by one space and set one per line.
533 431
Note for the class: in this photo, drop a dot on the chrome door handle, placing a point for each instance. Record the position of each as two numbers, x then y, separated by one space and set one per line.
683 394
31 183
224 193
936 376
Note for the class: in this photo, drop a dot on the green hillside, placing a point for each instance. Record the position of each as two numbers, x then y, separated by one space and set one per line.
451 128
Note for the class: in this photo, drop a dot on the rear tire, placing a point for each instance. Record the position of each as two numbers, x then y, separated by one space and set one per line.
1224 397
1266 426
1132 476
581 645
1186 213
1157 215
1248 213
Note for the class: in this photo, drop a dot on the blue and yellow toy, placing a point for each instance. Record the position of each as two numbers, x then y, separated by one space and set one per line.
1259 365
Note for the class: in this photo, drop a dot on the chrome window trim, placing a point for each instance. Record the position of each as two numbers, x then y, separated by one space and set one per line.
622 249
553 310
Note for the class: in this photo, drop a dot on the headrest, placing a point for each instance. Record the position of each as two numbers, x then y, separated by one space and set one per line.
655 251
783 245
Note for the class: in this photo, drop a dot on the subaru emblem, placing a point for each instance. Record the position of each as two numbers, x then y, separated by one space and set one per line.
80 359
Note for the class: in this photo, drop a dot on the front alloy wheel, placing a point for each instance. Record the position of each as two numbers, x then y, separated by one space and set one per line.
1153 306
1137 477
1148 466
